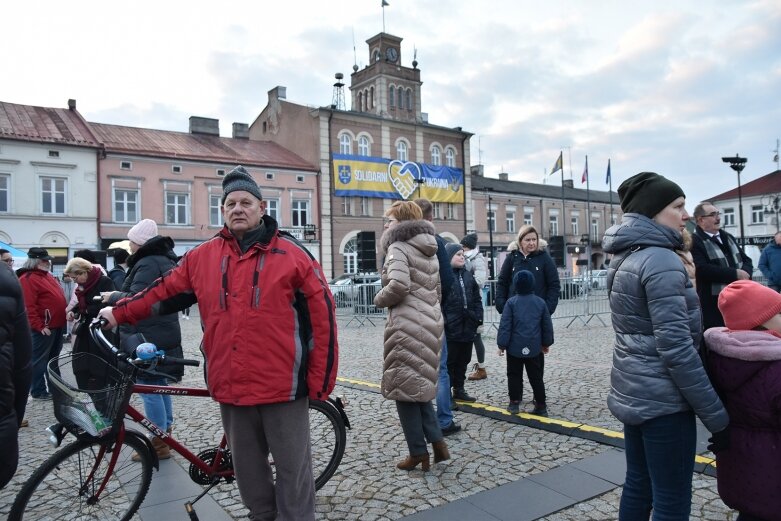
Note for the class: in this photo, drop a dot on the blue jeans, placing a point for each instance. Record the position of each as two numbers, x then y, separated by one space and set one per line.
44 349
444 413
659 465
158 407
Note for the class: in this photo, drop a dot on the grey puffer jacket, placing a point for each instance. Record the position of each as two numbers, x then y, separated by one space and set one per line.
414 330
656 316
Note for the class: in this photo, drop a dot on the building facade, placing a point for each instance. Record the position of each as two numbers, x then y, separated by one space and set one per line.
48 179
175 179
502 207
381 150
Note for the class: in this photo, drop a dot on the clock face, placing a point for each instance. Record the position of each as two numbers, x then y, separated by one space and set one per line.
392 54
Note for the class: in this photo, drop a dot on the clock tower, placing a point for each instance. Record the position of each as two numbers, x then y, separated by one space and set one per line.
384 87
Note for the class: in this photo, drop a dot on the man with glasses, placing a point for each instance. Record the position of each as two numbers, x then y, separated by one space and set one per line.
5 256
718 260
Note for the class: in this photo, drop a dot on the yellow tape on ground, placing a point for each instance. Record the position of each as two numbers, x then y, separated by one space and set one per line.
357 382
526 416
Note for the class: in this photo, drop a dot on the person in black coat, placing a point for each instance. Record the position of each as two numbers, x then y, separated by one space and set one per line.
529 256
15 369
90 283
463 315
153 256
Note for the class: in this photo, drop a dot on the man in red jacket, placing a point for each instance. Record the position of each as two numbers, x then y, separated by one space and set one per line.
269 341
45 303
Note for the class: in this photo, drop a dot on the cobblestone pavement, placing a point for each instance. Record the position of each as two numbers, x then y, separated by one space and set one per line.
486 454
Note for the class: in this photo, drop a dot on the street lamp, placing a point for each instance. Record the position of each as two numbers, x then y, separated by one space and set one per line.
491 218
738 163
772 206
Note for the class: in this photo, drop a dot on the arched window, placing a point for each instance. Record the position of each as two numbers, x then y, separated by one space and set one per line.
363 146
436 155
409 99
401 151
392 95
450 157
345 144
351 256
371 98
401 98
360 102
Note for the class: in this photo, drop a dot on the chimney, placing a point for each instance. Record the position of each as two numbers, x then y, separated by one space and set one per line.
424 117
476 170
568 183
71 104
277 93
504 176
207 126
240 131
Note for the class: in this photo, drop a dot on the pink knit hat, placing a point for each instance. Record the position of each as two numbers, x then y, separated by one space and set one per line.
746 304
143 231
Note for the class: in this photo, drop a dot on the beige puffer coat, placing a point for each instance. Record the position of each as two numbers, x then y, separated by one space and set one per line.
414 330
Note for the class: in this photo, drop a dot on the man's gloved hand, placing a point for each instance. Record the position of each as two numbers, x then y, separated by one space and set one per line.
719 441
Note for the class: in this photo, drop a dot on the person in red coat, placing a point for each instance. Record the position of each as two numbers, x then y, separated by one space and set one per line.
744 359
45 304
269 342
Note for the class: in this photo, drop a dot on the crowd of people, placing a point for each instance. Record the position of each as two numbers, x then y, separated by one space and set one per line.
665 288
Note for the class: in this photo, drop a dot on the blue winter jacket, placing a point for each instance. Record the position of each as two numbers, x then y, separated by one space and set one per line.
525 327
657 369
770 264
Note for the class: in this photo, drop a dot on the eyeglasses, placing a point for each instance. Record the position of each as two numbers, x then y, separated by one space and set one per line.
712 214
388 220
9 260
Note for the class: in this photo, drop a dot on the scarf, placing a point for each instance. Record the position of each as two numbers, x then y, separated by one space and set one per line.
715 254
81 290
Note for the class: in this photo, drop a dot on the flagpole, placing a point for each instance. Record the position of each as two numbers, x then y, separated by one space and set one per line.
563 208
610 188
588 223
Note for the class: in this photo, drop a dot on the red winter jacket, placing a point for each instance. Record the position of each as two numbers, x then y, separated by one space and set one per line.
268 314
43 298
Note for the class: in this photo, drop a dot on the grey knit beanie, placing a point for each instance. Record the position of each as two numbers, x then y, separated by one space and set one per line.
239 179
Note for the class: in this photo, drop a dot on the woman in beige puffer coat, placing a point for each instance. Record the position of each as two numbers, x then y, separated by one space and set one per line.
414 330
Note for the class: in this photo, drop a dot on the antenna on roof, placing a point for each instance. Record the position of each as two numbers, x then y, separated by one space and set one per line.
355 54
414 57
775 157
338 100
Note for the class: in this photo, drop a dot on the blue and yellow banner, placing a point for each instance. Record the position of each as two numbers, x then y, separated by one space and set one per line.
363 176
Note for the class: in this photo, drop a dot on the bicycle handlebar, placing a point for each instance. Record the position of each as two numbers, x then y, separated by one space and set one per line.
96 329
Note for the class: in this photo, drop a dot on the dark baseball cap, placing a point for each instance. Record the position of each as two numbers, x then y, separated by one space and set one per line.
39 253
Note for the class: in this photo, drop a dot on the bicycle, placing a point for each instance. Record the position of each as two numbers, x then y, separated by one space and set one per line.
95 477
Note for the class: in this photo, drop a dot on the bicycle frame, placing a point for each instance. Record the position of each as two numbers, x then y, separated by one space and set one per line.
139 418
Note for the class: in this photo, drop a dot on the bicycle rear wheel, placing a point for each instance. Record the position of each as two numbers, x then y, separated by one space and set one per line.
328 436
62 488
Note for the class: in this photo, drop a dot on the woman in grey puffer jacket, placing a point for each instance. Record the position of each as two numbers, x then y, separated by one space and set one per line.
658 382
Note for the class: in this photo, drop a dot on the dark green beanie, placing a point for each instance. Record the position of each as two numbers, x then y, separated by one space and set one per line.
647 193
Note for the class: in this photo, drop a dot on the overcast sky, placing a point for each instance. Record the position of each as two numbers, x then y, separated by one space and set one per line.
666 86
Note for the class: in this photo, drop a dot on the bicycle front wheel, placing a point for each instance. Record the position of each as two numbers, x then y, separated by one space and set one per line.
328 437
66 486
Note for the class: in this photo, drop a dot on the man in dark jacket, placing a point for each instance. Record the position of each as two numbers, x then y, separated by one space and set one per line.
444 406
119 271
269 341
15 369
718 260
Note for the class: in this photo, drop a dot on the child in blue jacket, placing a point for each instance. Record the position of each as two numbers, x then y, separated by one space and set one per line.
526 333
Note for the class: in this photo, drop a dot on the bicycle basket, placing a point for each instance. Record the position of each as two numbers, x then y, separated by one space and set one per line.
90 395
